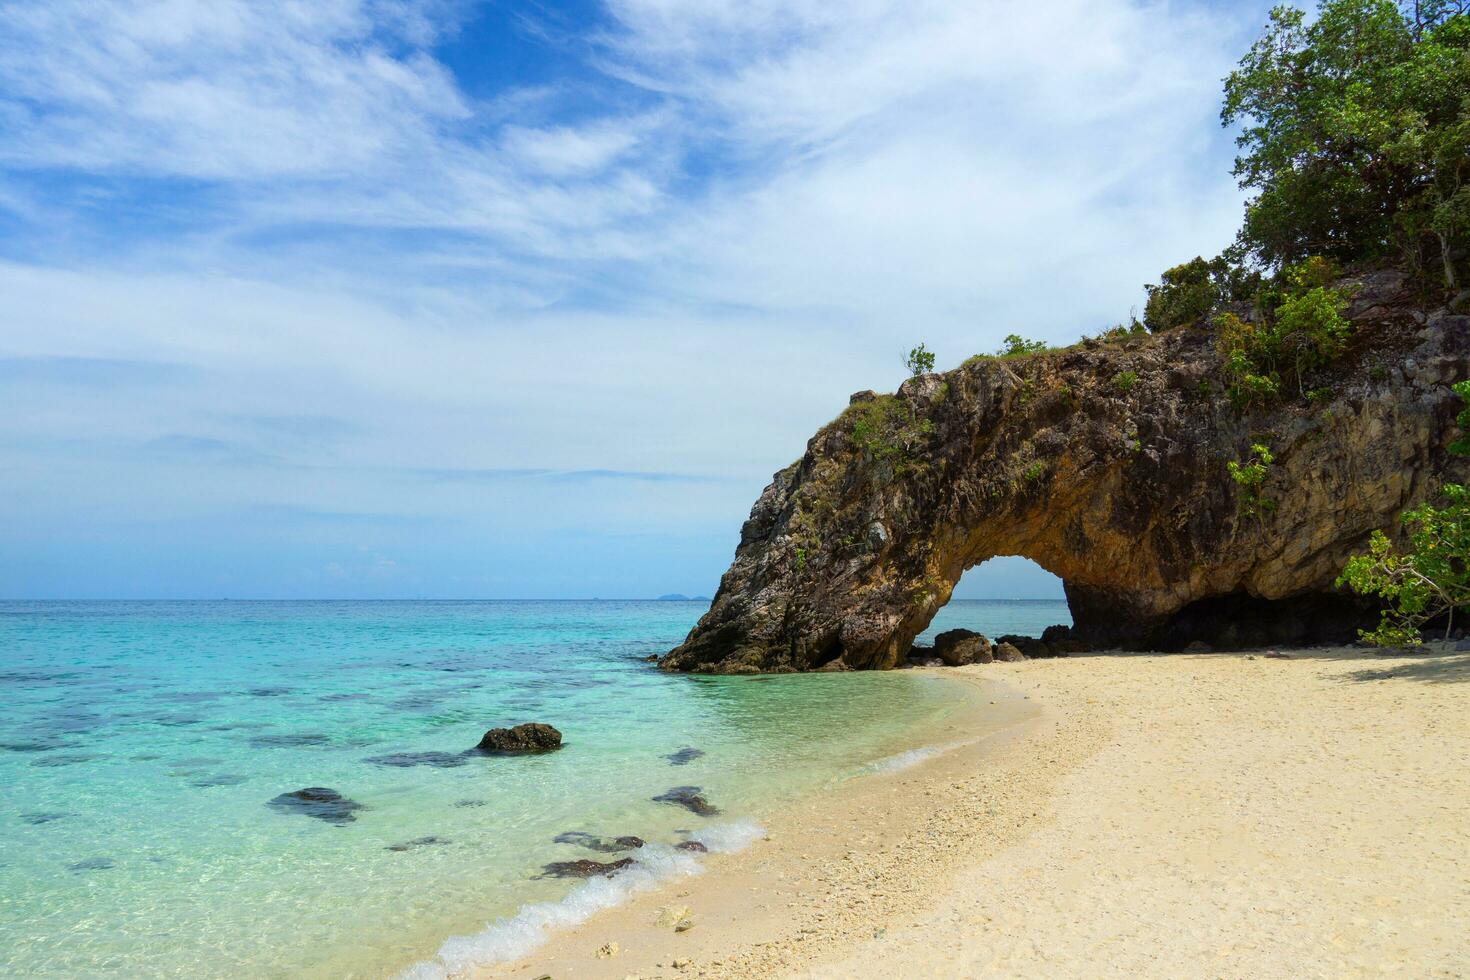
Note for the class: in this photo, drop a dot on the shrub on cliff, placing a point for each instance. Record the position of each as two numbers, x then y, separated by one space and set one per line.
1301 329
1356 135
1430 580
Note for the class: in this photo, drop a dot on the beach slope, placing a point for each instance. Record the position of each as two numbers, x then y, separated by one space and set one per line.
1229 814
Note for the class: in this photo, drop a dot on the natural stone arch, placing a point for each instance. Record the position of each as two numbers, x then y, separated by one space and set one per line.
1118 487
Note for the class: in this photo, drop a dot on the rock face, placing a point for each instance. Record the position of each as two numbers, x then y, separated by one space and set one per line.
531 737
1105 463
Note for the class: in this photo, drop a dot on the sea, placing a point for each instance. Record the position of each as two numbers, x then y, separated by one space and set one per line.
148 750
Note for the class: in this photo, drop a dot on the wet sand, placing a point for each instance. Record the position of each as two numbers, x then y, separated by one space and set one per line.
1221 815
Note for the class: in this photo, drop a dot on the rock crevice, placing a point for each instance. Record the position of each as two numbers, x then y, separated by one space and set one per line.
1105 463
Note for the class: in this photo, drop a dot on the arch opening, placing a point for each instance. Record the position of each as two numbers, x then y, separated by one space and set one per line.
1004 598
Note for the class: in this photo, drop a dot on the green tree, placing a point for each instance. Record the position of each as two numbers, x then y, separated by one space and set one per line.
1356 134
920 361
1431 579
1017 346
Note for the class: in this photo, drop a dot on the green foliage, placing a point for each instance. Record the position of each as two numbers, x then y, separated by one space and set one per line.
1304 332
1461 446
1125 380
920 361
1034 472
1190 293
1017 346
1431 580
1250 479
887 428
1355 128
1119 332
800 559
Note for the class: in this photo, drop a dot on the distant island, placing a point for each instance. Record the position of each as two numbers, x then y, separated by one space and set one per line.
681 597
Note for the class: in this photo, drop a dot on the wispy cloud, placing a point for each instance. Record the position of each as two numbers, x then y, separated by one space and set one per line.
329 256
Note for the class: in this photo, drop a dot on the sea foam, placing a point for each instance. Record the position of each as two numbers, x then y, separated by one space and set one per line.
515 936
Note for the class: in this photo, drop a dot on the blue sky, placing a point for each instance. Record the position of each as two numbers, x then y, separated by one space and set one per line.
378 298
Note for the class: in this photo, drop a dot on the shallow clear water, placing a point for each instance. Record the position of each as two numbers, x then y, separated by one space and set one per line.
141 743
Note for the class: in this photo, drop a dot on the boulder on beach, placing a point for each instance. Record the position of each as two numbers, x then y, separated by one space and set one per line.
530 737
319 802
690 798
960 647
1007 653
584 868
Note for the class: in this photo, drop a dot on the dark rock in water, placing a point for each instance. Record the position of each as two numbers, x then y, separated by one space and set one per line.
430 841
68 759
221 779
531 737
690 798
603 845
289 740
652 658
584 868
92 864
469 803
33 746
41 817
684 756
959 647
319 802
1120 494
345 697
407 760
693 846
1007 653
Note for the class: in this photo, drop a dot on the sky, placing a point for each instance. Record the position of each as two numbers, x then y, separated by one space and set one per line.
447 298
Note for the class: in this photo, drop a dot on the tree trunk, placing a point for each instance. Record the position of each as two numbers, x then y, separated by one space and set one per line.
1447 256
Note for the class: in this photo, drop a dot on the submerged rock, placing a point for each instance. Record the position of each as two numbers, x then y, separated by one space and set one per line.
690 798
93 864
289 740
530 737
693 846
418 842
319 802
684 756
1123 494
584 868
604 845
45 816
407 760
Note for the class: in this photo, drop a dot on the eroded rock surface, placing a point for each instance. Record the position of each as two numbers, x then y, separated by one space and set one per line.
530 737
1106 464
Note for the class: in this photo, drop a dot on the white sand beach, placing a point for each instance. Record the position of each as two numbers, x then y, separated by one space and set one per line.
1218 815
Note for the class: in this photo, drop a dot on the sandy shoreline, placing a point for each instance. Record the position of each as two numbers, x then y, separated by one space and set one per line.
1159 815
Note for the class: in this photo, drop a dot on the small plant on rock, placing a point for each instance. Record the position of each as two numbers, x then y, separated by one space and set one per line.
1250 478
1015 345
1431 579
920 361
1125 380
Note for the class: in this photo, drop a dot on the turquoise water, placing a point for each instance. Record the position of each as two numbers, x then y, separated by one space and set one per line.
142 742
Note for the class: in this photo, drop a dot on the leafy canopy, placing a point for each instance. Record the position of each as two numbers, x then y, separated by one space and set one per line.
1356 134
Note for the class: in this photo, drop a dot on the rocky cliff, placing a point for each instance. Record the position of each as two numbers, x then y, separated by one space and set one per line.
1106 463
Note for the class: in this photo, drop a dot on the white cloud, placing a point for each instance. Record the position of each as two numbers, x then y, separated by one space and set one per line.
686 281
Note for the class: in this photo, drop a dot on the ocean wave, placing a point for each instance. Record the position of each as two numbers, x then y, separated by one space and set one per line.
909 759
515 936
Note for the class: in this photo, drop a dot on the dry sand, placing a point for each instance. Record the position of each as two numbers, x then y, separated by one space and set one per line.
1221 815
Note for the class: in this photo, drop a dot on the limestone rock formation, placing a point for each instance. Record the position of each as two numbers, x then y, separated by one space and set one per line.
1121 489
530 737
